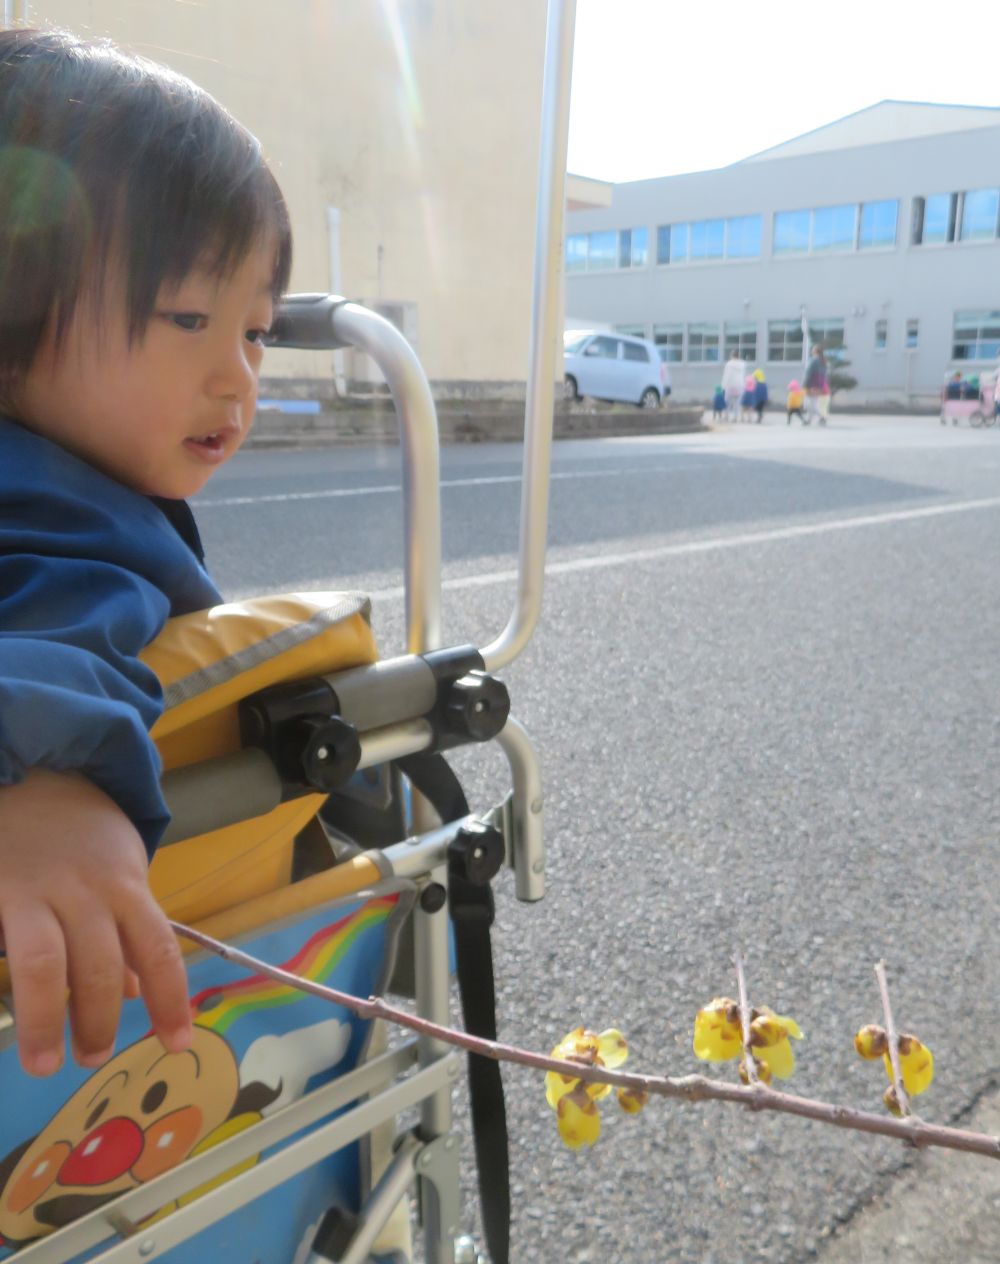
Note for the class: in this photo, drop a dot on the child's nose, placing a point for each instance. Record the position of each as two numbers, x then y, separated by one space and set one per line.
233 371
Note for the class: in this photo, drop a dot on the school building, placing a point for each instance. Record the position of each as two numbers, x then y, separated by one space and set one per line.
878 234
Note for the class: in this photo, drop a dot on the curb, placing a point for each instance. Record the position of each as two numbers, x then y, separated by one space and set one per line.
378 425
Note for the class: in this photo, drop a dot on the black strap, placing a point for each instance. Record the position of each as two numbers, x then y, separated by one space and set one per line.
472 912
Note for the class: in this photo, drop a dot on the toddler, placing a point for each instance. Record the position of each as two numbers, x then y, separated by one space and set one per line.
794 402
143 247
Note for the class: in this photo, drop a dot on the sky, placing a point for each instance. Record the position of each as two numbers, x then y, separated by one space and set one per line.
665 86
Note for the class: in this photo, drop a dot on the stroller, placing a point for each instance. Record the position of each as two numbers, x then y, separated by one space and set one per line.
970 399
316 823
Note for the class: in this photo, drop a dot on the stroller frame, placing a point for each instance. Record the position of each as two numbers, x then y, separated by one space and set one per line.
419 1072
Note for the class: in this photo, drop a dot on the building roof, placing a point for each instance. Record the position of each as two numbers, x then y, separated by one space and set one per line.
885 121
583 193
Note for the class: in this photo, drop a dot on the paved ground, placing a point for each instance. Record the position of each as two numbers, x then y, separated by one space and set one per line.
766 696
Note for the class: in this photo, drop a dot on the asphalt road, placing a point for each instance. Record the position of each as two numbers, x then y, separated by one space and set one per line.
766 697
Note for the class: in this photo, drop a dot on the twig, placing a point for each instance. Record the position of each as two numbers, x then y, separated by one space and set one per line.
902 1097
691 1088
748 1057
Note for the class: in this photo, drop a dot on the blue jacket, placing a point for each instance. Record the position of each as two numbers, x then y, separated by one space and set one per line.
89 573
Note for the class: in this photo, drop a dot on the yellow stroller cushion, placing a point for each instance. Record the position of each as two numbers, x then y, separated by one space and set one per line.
207 662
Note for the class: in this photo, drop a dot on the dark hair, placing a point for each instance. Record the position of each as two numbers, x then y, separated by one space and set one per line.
106 157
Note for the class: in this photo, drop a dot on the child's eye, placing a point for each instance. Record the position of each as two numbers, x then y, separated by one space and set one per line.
256 335
193 322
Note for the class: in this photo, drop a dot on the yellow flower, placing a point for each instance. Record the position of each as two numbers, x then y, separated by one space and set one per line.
579 1119
609 1049
916 1065
717 1035
769 1033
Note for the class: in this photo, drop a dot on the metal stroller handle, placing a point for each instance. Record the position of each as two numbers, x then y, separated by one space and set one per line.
327 322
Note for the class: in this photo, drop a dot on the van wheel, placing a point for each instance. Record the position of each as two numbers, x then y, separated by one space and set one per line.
570 392
650 398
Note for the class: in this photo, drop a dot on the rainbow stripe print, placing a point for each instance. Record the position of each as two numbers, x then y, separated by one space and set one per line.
219 1007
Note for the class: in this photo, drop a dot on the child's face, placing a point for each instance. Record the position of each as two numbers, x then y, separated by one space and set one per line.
162 414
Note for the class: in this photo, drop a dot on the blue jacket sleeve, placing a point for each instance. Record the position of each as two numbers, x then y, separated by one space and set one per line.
73 694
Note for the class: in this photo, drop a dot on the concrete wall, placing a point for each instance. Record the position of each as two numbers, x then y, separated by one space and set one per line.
929 283
418 121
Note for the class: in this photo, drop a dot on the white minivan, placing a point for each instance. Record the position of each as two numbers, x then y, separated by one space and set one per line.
614 367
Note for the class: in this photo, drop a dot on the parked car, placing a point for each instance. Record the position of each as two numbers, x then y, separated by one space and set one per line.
614 367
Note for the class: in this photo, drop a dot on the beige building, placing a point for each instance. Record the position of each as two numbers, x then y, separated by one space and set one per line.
405 136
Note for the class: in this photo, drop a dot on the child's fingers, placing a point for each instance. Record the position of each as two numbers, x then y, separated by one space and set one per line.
151 950
36 952
130 985
96 971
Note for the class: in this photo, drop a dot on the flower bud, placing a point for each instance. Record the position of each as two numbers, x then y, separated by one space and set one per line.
891 1101
764 1072
871 1041
632 1100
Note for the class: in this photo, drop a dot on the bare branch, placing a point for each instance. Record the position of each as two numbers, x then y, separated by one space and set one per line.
691 1088
748 1055
902 1097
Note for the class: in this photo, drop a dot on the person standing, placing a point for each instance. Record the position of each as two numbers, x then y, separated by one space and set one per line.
759 393
732 383
815 383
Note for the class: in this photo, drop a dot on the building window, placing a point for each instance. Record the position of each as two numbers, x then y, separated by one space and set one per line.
743 234
602 250
703 344
736 238
784 341
878 224
576 252
708 239
912 334
833 228
977 336
881 335
934 219
742 338
979 215
633 247
829 334
634 331
791 232
609 248
670 340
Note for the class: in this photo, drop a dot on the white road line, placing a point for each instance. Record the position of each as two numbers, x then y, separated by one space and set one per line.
383 489
713 545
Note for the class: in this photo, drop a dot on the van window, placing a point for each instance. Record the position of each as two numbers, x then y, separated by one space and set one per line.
633 351
605 348
572 345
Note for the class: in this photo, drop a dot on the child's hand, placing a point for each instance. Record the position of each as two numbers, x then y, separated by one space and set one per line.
76 912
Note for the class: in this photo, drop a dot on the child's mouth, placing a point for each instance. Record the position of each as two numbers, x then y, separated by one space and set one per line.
210 447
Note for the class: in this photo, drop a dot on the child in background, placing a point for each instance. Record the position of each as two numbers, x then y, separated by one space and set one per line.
759 394
143 247
746 399
794 402
718 403
953 388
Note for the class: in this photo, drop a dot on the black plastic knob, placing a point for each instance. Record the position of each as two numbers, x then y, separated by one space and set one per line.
330 751
476 853
477 707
